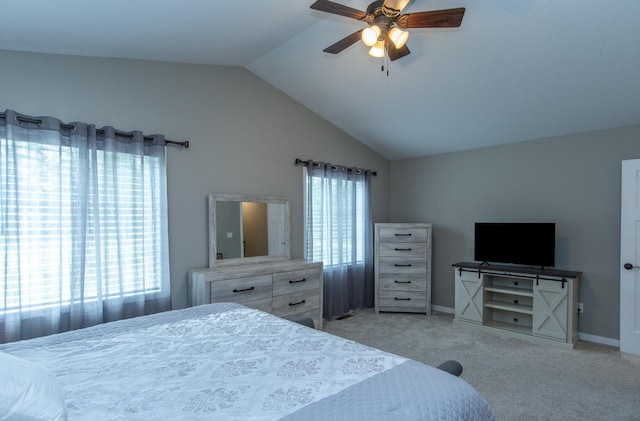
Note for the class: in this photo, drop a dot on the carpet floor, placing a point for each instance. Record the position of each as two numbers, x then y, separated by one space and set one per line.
521 380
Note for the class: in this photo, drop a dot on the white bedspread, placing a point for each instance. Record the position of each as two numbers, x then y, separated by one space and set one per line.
227 362
222 364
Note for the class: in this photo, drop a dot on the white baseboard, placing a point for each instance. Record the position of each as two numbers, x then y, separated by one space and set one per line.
583 336
599 339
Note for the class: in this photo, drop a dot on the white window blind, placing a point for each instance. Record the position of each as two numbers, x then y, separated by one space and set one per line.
338 215
121 235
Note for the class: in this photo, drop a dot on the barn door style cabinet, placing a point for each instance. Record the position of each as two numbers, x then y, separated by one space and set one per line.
538 304
403 268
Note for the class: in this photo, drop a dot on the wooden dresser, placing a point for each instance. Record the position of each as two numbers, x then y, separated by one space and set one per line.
403 268
291 289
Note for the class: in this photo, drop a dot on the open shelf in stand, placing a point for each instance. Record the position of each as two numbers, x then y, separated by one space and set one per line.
512 291
510 327
509 307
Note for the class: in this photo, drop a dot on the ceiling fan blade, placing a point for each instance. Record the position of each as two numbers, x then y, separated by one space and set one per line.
396 5
338 9
395 53
345 42
448 18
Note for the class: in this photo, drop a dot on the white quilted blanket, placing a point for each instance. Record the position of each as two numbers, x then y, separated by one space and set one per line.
227 362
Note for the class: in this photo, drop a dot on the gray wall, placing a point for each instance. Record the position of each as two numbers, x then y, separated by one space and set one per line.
571 180
244 134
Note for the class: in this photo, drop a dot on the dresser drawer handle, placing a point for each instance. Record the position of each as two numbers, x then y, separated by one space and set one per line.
402 266
298 303
401 299
402 282
298 281
403 235
399 249
244 289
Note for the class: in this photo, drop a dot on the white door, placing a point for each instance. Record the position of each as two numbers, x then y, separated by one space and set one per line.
630 258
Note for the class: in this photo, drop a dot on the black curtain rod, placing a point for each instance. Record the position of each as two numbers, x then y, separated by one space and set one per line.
300 162
184 144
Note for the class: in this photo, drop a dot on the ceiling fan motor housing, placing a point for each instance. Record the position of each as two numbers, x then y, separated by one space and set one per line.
383 16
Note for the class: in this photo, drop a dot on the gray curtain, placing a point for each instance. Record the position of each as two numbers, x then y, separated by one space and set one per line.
339 232
83 234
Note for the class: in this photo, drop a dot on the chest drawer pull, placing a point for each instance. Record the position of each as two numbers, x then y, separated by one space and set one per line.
244 289
398 265
298 303
401 299
402 282
298 281
399 249
403 235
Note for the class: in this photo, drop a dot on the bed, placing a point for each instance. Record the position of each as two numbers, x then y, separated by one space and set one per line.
223 361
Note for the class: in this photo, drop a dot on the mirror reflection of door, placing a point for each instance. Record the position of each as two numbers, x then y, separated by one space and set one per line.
254 229
276 220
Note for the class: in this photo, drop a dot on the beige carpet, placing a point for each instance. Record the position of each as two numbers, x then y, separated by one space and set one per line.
520 380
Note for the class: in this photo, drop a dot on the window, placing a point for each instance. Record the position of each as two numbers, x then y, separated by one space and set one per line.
83 226
339 232
41 228
338 237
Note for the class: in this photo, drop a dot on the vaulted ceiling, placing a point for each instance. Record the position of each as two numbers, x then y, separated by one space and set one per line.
514 70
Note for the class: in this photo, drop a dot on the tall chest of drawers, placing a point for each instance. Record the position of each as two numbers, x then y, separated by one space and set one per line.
291 289
403 268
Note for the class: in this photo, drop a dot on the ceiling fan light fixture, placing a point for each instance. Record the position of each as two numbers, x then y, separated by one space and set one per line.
370 35
377 50
398 37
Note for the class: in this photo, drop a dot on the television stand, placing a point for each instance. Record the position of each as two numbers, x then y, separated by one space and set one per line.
528 302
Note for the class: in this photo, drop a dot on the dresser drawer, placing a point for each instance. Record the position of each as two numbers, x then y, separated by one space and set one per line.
405 266
263 305
296 281
402 299
242 290
403 235
402 249
391 282
299 302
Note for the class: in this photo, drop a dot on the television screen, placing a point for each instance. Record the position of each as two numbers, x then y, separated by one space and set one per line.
521 243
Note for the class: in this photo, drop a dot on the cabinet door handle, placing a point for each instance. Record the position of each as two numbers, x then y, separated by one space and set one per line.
298 303
244 289
401 299
298 281
403 235
402 266
402 282
399 249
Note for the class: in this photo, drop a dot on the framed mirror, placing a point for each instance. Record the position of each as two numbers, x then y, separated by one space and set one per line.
248 229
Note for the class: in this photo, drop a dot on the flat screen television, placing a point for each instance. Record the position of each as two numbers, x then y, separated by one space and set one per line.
520 243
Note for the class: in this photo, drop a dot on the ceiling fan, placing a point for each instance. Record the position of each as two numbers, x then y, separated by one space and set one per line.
387 24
